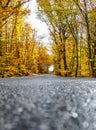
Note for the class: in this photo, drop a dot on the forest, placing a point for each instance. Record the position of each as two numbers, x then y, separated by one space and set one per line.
72 27
20 53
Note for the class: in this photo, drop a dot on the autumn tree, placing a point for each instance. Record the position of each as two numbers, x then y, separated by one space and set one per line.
58 28
71 20
43 59
19 51
85 8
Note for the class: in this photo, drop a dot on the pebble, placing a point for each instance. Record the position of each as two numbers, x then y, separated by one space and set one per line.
74 114
66 115
85 124
94 125
20 109
44 127
88 100
8 126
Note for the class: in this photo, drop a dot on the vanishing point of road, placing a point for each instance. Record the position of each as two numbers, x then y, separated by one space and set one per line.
47 102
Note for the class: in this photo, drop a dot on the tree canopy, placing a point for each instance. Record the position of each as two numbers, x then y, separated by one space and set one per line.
73 25
20 53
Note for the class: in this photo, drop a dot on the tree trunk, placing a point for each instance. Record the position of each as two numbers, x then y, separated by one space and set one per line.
89 46
76 71
64 57
0 45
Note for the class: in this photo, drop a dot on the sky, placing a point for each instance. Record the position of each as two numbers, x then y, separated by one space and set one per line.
40 26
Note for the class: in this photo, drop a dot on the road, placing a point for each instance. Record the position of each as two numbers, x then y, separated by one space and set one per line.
47 102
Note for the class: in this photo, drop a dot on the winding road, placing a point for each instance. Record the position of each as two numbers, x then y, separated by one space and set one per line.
47 102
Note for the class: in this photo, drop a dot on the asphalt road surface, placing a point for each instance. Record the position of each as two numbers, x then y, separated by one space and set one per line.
47 102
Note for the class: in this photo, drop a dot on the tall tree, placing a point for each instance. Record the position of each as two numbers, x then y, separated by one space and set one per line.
84 8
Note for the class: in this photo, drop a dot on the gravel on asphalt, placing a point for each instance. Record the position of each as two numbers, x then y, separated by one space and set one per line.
47 102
